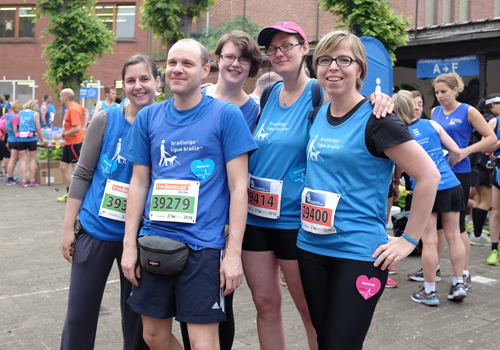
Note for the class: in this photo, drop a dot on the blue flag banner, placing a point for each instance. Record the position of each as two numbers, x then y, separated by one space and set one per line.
88 92
379 76
462 65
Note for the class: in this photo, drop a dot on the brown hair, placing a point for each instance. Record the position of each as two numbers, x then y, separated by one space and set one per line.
108 89
453 80
247 46
17 106
136 59
404 107
332 40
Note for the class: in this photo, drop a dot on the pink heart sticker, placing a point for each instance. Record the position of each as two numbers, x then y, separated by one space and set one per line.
367 287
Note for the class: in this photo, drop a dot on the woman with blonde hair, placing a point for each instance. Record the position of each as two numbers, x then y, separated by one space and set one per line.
448 204
12 127
29 129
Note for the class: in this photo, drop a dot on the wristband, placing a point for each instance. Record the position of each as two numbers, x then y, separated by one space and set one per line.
409 239
397 182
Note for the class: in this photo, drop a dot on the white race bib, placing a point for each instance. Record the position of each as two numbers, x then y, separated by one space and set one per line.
174 201
114 200
318 211
264 197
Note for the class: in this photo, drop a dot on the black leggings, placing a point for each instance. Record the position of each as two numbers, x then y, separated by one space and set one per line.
226 328
340 315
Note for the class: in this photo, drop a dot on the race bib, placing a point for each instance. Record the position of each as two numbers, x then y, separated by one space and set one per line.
114 200
264 197
174 201
318 211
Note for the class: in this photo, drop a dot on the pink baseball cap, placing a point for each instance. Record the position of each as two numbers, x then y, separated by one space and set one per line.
266 34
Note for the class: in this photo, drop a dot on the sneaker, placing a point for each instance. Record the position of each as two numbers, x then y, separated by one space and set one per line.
457 292
467 282
63 198
422 297
34 183
486 232
391 283
481 240
392 270
25 184
493 258
469 228
419 275
12 182
283 282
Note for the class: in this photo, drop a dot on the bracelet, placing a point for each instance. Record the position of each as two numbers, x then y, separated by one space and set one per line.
409 239
397 182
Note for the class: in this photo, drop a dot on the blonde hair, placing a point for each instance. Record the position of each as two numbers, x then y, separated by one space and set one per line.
453 80
332 40
16 107
404 107
31 104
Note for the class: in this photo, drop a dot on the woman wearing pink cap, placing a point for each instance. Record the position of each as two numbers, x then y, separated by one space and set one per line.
276 181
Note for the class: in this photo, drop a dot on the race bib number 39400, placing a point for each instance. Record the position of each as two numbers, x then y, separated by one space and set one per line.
264 197
174 201
318 211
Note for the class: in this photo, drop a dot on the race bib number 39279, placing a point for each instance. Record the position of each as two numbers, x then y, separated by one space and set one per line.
264 197
318 211
174 201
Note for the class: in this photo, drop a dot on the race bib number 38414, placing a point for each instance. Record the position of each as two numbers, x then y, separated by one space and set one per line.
174 201
318 211
264 197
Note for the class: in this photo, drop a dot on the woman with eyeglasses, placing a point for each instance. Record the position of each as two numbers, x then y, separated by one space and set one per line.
344 250
276 180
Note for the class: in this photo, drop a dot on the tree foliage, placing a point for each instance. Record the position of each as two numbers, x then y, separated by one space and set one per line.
171 19
77 39
370 18
209 39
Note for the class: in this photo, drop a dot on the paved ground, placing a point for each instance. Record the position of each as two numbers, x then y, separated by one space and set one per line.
34 281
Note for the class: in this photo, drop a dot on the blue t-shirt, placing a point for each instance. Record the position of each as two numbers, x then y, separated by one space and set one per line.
190 145
282 134
11 136
460 130
497 152
338 161
428 137
27 123
104 106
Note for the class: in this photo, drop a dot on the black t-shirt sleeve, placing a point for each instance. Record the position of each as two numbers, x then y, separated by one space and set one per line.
383 133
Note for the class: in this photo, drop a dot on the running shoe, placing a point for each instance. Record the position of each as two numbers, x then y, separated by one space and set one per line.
12 182
419 275
469 228
63 198
34 183
457 292
467 282
493 258
481 240
392 270
486 232
391 283
25 184
430 299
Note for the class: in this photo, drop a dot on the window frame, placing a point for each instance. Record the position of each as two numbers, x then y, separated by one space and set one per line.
16 23
115 17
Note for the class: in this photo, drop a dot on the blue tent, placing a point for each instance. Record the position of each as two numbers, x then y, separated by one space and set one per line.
379 74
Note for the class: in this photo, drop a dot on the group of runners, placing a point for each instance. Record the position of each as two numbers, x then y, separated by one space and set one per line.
307 194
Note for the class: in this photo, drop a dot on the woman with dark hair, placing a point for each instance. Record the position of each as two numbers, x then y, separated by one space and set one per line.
98 196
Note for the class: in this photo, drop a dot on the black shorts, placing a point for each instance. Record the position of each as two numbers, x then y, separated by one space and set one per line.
71 153
464 179
494 182
449 200
30 146
480 176
262 239
13 145
4 151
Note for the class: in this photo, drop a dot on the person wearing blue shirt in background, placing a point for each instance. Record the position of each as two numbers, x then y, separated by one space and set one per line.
47 111
200 144
109 101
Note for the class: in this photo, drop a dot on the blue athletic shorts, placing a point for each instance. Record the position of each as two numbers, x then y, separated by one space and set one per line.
192 295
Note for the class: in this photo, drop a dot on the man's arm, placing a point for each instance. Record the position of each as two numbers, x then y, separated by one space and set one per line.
44 112
137 195
85 119
97 108
70 132
231 270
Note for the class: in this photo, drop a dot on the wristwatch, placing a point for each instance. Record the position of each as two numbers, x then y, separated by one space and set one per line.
64 135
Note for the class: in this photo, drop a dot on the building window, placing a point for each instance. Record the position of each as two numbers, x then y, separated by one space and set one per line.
118 18
17 22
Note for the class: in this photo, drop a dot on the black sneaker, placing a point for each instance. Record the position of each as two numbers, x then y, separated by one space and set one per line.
419 275
457 292
422 297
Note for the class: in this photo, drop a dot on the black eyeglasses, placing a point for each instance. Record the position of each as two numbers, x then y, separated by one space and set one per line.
285 47
342 61
231 58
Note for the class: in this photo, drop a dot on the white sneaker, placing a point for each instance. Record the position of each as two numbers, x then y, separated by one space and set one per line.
481 240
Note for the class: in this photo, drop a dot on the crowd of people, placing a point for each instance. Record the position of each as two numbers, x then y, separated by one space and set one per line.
190 194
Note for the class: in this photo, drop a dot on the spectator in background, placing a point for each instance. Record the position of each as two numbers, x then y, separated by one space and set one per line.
6 102
47 112
109 101
264 79
12 127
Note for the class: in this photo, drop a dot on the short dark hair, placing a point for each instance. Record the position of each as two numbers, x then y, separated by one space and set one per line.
136 59
7 96
107 89
46 97
247 46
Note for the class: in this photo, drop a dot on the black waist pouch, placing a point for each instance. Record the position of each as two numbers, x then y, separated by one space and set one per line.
162 255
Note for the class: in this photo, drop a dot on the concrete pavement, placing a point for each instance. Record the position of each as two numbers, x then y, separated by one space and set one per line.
34 282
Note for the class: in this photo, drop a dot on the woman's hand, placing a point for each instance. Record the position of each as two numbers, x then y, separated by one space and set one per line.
382 104
68 245
129 268
388 255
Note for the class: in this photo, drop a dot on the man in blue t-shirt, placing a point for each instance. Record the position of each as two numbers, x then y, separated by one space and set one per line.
109 101
193 147
47 112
